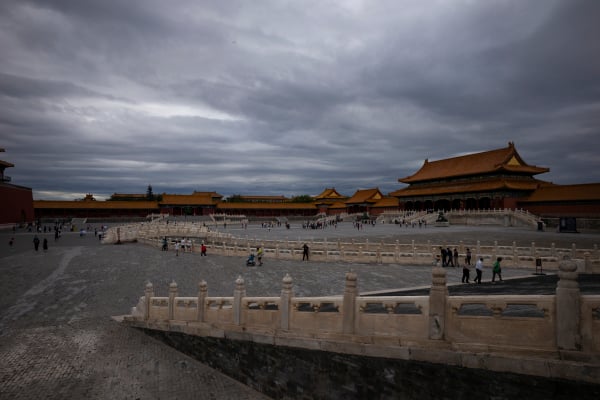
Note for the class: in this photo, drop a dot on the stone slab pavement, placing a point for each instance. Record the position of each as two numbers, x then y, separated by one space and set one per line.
58 341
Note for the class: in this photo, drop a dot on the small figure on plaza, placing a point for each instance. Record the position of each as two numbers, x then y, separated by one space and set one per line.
202 249
305 252
479 269
468 257
259 255
456 264
45 245
36 242
497 270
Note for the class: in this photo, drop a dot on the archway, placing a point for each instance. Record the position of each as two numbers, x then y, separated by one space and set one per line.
443 204
485 203
456 204
471 204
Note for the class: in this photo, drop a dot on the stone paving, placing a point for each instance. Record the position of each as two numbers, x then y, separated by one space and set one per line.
57 340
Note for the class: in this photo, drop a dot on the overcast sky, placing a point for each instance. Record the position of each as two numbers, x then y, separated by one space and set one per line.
290 97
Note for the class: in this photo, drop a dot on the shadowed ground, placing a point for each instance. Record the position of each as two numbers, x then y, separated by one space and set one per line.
57 340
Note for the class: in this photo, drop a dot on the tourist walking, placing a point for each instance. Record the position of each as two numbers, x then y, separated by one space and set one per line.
466 274
497 270
479 269
202 249
443 254
177 245
305 251
165 244
468 257
259 255
36 242
450 263
45 245
11 242
456 264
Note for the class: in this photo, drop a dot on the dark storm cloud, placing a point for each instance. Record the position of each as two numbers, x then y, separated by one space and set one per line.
274 98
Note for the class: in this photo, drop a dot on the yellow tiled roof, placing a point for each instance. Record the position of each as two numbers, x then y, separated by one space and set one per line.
338 205
387 201
505 159
329 193
201 199
95 205
581 192
266 206
365 196
467 187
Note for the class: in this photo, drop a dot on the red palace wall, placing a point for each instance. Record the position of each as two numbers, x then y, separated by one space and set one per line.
563 210
16 204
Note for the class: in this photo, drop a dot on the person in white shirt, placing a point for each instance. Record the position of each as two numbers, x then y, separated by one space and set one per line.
479 269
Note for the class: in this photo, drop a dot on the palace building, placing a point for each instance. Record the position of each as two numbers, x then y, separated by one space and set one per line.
494 179
16 202
490 179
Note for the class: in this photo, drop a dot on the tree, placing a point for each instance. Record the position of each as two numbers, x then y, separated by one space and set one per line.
149 194
303 198
235 198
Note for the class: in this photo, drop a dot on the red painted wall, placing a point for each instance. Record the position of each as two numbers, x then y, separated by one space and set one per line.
16 204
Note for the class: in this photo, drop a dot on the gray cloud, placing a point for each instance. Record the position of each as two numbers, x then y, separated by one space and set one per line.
269 98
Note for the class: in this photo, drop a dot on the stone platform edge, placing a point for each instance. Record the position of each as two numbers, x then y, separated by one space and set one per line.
567 365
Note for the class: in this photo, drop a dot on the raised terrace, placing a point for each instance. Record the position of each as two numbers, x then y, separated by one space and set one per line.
546 326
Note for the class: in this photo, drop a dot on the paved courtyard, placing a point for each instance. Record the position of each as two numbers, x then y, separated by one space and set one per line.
57 340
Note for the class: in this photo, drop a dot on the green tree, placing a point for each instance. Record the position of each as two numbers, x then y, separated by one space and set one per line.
149 194
303 198
235 198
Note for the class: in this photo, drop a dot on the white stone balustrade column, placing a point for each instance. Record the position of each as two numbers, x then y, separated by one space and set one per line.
202 295
438 295
148 295
587 263
238 294
172 295
568 310
285 305
349 307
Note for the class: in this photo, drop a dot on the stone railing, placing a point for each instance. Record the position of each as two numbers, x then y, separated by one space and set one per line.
565 323
501 216
153 232
352 251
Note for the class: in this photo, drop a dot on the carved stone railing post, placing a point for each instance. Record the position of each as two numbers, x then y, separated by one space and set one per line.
437 304
148 295
349 307
172 295
202 294
286 302
587 263
238 294
568 306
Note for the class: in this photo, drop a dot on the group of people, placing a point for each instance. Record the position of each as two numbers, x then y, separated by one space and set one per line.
450 258
184 245
496 270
